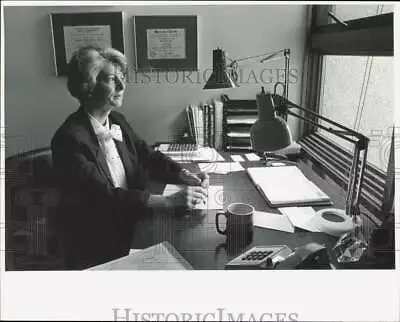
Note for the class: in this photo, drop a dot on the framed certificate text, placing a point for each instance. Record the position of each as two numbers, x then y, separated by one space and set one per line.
74 30
166 42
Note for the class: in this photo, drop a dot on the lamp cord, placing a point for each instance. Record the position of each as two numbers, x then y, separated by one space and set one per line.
363 94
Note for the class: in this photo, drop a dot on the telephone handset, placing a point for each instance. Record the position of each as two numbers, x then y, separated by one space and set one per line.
309 256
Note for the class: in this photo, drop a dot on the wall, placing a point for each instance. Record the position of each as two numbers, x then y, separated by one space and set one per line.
36 101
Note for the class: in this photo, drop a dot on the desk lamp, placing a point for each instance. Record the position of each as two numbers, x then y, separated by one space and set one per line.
352 244
270 133
225 75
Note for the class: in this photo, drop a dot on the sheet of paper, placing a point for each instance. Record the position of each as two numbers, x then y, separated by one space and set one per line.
252 157
162 256
215 198
220 167
300 217
237 158
272 221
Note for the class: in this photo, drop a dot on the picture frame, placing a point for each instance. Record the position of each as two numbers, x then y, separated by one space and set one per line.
166 42
73 30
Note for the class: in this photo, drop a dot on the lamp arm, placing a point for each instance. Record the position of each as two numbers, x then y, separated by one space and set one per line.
356 174
286 105
356 178
341 134
261 55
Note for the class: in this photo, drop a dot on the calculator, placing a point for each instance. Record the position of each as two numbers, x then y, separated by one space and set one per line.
260 257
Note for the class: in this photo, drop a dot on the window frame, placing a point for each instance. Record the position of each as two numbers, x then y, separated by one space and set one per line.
369 36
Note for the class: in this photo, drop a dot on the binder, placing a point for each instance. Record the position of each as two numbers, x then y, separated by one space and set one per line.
287 186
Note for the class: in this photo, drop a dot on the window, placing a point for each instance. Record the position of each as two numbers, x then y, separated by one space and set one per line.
351 81
357 92
351 12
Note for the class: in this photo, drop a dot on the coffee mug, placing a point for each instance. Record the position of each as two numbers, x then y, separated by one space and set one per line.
239 222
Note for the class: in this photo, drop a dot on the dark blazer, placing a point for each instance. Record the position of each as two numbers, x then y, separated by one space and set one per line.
96 220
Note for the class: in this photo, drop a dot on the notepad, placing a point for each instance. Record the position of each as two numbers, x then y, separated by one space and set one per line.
286 186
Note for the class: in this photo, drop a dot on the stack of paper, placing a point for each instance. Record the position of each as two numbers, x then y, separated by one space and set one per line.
286 186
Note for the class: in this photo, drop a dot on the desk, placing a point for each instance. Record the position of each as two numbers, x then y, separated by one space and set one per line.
195 236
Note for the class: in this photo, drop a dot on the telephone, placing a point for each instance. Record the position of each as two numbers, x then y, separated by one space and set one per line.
309 256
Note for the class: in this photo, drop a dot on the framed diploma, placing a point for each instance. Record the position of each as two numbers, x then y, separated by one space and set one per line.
74 30
166 42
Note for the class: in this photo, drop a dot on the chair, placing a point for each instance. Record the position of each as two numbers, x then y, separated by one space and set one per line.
31 199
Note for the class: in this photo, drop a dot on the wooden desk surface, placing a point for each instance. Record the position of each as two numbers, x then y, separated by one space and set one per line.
194 233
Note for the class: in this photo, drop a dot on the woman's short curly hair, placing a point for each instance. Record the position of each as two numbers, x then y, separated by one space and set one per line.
85 65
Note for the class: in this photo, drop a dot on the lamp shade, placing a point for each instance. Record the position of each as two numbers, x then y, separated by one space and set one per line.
270 132
220 78
272 135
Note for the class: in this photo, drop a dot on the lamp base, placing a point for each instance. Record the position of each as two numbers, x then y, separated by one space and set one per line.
351 246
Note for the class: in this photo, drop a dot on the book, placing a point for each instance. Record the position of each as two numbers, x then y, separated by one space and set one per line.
199 124
218 124
162 256
287 186
206 125
212 125
190 121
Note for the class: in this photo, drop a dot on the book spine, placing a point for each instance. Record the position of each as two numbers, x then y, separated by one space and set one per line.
212 126
200 125
218 124
189 118
206 126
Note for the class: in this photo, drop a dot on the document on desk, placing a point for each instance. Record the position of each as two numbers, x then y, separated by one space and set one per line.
272 221
301 217
252 157
162 256
286 186
220 167
215 198
237 158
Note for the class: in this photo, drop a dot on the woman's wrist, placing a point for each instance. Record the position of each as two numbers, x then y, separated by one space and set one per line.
158 202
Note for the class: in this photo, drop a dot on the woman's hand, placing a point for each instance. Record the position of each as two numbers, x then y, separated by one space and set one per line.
194 179
189 197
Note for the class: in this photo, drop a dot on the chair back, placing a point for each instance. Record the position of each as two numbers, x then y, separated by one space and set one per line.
31 200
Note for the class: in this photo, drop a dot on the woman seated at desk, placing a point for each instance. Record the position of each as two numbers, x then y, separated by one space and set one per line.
102 166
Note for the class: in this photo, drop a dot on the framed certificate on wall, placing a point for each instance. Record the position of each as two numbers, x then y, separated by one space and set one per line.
166 42
71 31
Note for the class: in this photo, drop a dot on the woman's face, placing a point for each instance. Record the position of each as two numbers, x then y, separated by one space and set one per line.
110 86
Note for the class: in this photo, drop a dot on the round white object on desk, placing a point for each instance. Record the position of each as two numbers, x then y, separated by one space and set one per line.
333 221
